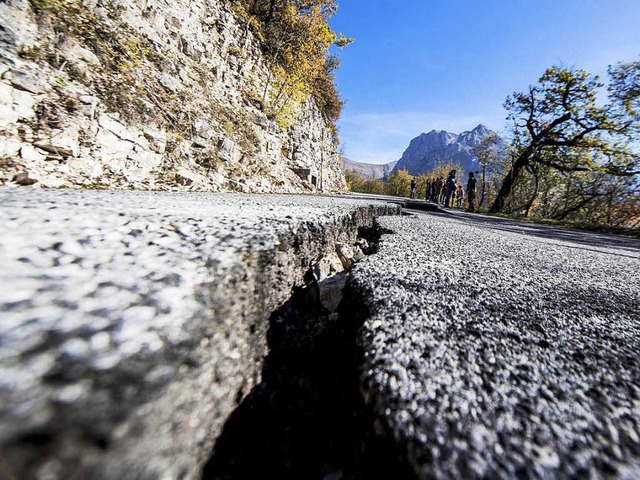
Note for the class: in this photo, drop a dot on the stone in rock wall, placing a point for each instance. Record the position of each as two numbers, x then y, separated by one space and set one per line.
157 140
18 26
61 142
15 105
228 151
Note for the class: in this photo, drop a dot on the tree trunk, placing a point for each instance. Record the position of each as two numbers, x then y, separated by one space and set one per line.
609 209
509 180
266 89
251 7
484 171
533 197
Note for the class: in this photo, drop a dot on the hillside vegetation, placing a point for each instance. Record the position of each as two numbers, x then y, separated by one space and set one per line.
296 38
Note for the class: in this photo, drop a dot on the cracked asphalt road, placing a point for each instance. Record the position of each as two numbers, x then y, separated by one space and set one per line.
497 349
493 349
132 323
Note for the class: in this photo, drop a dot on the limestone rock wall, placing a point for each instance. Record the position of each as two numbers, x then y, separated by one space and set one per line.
148 94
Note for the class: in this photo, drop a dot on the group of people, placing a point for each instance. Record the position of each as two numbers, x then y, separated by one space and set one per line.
448 191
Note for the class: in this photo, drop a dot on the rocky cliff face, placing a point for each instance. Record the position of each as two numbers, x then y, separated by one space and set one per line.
148 94
428 150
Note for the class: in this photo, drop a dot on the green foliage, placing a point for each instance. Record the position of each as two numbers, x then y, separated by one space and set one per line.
560 128
357 183
60 81
443 169
343 41
296 38
624 88
47 5
373 185
398 184
421 186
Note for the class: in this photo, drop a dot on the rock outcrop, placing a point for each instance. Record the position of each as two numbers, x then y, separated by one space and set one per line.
148 94
428 150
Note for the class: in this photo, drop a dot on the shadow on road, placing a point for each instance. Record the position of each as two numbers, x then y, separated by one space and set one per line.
581 237
587 239
308 419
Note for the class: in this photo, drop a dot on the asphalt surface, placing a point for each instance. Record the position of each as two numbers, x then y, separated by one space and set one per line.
493 349
417 204
72 258
496 349
132 323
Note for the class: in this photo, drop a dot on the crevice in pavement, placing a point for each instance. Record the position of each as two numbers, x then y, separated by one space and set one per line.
307 418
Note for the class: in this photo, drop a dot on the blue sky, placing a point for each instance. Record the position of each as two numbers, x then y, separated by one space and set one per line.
419 65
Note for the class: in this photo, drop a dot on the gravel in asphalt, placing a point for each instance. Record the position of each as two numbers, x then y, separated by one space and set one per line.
504 350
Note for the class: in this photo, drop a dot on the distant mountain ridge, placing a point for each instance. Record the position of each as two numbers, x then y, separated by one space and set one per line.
369 170
428 150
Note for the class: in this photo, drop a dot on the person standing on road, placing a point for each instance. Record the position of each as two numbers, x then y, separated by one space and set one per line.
451 188
471 192
413 187
436 190
459 196
427 190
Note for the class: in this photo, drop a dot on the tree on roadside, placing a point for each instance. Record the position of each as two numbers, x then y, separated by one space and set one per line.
559 124
487 156
443 169
296 37
355 181
373 185
421 185
590 198
624 88
398 184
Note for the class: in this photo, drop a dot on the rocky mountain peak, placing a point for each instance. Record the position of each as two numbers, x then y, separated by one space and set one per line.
428 150
434 138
